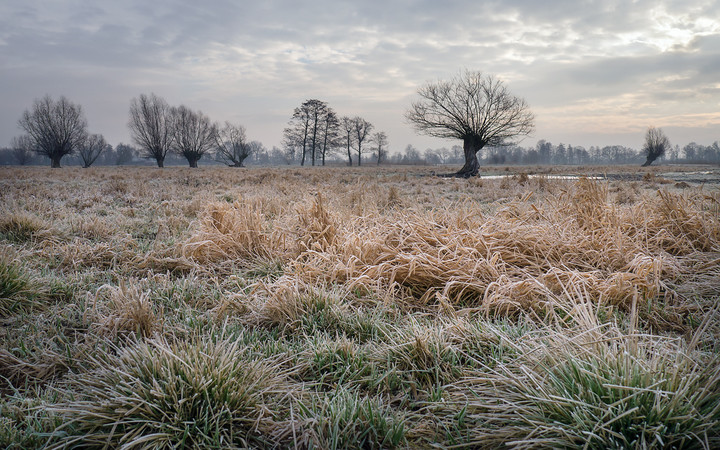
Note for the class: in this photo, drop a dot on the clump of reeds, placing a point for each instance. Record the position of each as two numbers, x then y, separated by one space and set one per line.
680 226
289 304
428 356
202 393
519 259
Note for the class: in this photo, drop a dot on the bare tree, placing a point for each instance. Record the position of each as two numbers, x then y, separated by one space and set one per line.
361 131
56 128
473 107
317 110
91 148
151 126
296 135
231 145
656 143
193 134
292 141
22 149
347 127
381 142
257 150
329 133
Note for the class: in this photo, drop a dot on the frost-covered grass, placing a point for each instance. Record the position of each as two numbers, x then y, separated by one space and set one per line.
346 308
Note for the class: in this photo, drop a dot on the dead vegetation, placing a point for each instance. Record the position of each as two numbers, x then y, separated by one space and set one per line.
357 308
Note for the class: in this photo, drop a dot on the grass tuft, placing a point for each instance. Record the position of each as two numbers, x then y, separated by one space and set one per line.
347 419
16 290
129 310
20 228
198 394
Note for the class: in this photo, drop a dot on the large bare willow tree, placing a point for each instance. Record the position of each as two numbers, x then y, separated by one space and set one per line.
194 134
474 107
656 143
56 128
151 126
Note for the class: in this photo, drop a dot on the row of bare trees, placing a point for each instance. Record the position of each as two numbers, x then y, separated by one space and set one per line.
158 128
473 107
55 129
315 132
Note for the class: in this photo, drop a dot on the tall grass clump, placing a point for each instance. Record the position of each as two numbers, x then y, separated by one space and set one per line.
598 388
349 420
128 310
16 293
19 228
234 231
316 226
201 393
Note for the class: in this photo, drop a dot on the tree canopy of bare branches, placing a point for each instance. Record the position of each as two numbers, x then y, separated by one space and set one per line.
329 133
656 143
381 142
231 145
473 107
194 134
361 131
56 128
124 154
151 126
91 148
346 127
311 130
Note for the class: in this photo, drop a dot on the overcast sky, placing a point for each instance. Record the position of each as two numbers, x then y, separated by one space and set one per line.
593 72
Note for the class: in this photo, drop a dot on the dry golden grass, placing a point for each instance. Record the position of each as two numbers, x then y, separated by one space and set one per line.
389 302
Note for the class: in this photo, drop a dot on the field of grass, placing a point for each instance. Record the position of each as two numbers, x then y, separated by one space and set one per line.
358 308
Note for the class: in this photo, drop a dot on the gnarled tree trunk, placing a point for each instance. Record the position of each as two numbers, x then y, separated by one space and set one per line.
471 145
55 161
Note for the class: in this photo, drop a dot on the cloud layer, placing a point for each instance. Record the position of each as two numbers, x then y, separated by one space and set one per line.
594 72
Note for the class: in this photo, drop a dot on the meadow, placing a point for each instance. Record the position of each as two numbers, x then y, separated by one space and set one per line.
359 308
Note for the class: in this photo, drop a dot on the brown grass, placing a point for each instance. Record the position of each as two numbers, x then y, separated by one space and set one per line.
392 302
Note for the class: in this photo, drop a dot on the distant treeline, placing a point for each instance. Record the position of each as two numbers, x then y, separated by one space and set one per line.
542 153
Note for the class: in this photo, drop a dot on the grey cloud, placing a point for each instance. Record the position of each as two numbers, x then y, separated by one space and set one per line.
369 55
